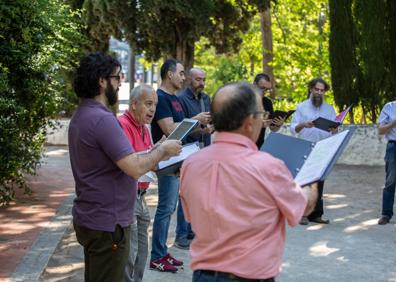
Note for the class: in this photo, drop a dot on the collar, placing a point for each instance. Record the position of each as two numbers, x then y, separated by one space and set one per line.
132 119
234 138
191 95
89 102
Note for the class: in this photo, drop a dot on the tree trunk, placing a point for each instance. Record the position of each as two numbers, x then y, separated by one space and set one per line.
185 54
267 44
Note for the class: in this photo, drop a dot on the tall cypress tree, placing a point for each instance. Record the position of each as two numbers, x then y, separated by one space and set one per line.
342 53
372 54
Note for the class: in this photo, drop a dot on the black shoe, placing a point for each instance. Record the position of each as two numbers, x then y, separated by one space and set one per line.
383 220
320 220
304 221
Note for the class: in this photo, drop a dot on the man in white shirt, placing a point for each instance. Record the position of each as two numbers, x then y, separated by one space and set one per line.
387 126
302 125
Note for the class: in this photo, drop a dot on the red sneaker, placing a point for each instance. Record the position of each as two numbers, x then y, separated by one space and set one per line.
172 260
162 265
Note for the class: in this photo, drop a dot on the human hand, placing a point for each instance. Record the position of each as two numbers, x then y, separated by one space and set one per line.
204 118
333 130
308 124
208 129
171 148
278 121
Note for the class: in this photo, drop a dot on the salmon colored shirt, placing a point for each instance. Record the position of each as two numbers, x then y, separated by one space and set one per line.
238 200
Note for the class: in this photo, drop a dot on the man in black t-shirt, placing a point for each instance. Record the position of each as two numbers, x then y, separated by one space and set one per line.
263 82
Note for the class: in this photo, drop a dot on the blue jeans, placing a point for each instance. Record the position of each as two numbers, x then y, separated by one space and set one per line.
168 194
183 228
388 193
201 276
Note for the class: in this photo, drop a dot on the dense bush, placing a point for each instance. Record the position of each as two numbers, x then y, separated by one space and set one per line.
38 44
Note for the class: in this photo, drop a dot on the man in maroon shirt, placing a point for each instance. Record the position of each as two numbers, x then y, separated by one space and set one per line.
142 104
104 167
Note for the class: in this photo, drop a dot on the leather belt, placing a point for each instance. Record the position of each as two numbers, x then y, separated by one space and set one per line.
231 276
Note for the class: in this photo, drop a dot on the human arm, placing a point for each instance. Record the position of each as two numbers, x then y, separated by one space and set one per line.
136 165
385 128
301 126
276 124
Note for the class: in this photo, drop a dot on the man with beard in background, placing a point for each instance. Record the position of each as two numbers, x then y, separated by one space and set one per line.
302 124
105 169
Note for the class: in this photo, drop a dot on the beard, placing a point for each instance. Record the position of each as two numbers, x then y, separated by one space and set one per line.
317 100
111 95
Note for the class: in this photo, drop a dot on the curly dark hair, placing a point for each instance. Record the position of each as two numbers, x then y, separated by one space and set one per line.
241 103
91 69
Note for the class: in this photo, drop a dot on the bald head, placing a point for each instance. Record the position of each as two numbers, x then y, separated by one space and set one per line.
232 103
196 80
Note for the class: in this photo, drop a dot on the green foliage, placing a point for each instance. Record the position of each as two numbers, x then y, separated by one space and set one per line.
300 33
36 46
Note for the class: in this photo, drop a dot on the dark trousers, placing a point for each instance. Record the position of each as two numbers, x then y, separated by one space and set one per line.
216 276
318 210
105 253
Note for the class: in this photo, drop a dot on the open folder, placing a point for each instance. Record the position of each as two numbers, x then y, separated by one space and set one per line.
326 124
308 162
281 114
172 165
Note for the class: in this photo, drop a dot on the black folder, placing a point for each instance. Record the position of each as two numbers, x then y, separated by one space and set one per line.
281 114
325 124
172 165
308 162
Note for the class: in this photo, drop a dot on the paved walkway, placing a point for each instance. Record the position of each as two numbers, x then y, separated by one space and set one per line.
353 247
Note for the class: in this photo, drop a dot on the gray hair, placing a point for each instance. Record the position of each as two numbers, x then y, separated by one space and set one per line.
137 92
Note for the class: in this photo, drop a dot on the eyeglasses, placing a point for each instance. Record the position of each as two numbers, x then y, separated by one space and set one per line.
263 114
117 77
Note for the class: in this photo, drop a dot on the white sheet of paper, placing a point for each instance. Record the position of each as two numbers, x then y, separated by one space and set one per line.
187 150
319 158
148 177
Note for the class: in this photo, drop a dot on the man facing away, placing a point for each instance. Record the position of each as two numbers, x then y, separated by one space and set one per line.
194 101
302 124
386 125
142 104
169 113
263 82
105 169
237 198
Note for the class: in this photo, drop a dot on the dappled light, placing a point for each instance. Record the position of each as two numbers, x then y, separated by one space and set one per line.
362 226
320 249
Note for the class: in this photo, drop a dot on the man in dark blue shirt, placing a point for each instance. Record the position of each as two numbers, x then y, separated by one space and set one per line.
194 102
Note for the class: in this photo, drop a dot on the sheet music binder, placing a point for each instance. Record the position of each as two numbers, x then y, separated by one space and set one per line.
172 165
325 124
308 162
282 114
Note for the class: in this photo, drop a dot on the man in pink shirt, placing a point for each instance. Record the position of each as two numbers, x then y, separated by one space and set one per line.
238 198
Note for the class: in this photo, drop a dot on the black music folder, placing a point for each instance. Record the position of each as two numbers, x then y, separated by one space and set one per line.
308 162
282 114
172 165
325 124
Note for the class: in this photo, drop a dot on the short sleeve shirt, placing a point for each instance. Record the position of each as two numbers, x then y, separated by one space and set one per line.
168 106
388 114
105 195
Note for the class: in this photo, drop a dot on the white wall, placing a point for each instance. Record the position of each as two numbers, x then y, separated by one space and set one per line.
364 148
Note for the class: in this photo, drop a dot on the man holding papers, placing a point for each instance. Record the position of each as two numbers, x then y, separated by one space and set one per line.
263 82
237 198
387 126
302 124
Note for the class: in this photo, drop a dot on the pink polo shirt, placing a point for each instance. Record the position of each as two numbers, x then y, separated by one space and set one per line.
138 135
237 199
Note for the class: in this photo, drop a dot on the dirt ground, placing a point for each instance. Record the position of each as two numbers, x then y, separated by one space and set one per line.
352 248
